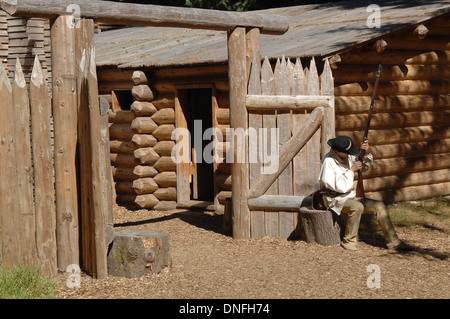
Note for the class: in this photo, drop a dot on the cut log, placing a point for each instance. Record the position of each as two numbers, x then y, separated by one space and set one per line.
143 108
132 173
166 205
142 93
320 226
146 155
166 194
121 116
136 253
139 77
164 148
164 116
165 164
143 140
120 131
166 179
146 201
164 132
117 146
144 185
149 15
143 125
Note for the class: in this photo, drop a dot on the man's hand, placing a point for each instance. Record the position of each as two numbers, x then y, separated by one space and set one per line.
356 167
365 145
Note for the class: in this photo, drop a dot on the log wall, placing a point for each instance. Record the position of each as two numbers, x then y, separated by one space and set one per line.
410 127
141 144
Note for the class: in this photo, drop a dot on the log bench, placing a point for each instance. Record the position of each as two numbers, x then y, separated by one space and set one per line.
136 253
320 226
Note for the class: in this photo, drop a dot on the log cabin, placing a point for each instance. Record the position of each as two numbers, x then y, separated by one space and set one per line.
160 79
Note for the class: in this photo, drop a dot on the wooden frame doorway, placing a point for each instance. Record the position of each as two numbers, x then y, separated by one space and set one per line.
194 109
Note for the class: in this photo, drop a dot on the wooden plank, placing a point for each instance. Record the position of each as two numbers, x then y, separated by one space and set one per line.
269 124
299 163
313 146
44 191
8 183
65 130
25 209
285 183
239 120
102 182
328 126
182 149
96 185
151 15
255 122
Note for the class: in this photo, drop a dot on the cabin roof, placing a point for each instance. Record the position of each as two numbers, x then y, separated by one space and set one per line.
314 30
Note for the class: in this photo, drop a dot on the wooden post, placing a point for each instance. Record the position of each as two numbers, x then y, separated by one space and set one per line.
328 125
25 209
96 188
8 181
65 130
268 222
237 67
44 192
254 122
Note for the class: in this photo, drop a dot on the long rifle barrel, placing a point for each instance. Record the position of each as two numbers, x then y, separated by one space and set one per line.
360 183
366 132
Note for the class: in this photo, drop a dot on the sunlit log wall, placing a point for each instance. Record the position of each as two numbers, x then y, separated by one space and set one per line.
409 132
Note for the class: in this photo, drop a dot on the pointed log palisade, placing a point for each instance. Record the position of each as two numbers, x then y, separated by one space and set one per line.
52 193
27 223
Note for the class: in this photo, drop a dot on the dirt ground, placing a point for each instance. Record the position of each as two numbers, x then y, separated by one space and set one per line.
206 263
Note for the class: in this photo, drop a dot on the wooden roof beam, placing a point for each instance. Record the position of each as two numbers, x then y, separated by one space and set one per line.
146 15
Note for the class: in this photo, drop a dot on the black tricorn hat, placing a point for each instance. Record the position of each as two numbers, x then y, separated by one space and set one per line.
343 144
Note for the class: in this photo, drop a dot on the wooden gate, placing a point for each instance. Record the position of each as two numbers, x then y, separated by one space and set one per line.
292 106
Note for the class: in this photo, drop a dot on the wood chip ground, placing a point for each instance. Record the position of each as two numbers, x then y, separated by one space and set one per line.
210 264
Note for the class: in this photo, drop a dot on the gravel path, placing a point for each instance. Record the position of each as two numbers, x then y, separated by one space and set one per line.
210 264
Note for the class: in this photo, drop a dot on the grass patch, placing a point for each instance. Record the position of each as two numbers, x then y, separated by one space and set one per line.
23 282
431 214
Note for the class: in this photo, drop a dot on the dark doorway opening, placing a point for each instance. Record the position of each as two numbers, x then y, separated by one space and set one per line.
196 106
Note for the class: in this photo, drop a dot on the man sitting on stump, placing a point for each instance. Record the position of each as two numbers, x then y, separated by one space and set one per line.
337 192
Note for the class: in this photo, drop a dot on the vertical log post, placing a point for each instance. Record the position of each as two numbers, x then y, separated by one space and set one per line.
25 209
44 191
65 130
254 122
10 253
95 184
237 67
328 125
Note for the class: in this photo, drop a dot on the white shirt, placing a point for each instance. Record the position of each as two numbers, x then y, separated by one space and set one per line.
337 179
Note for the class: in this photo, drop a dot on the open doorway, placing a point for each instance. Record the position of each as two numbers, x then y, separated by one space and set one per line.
195 180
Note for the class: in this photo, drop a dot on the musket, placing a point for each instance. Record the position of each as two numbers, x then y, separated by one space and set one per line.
362 153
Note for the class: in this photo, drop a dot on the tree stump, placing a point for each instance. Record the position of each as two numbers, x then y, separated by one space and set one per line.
136 253
320 226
